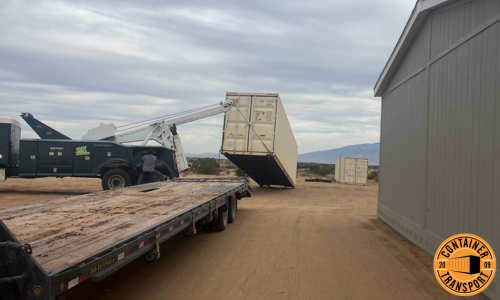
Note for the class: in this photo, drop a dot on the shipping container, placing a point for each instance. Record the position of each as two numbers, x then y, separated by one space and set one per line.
350 170
258 139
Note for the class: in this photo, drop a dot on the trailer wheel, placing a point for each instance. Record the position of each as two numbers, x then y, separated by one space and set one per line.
220 223
115 179
150 257
233 207
188 231
157 176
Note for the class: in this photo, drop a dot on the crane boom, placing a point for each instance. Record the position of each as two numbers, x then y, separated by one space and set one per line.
162 130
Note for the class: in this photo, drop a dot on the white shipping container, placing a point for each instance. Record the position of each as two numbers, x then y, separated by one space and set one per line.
351 170
258 139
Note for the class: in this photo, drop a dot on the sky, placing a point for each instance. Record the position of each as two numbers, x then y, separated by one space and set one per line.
76 64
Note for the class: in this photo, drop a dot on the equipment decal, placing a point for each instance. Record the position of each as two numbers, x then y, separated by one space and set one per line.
82 151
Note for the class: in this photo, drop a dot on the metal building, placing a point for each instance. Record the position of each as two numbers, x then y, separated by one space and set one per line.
440 131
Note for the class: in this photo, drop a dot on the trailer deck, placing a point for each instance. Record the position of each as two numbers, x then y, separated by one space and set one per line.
76 232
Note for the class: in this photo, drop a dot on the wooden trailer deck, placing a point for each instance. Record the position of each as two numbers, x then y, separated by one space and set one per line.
66 231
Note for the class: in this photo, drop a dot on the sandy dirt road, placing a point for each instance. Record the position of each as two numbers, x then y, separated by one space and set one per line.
318 241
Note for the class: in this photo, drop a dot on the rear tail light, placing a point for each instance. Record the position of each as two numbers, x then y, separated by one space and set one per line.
175 162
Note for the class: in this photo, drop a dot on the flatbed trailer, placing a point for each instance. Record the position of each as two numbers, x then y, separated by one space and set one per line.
49 247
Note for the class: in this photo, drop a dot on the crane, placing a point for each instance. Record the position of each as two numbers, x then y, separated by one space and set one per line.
162 130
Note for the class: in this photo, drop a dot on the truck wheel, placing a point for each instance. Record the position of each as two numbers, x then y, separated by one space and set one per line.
157 176
115 179
233 206
221 222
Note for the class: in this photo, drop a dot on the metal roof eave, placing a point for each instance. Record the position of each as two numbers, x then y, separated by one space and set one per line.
417 18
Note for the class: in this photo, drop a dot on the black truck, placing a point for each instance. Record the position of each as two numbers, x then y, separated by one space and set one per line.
55 155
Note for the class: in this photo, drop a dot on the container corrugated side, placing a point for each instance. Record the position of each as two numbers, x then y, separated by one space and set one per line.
285 145
258 126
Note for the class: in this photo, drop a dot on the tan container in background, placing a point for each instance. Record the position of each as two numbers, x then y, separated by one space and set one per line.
351 170
258 139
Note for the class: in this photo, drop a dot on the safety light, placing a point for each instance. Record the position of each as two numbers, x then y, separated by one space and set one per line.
37 291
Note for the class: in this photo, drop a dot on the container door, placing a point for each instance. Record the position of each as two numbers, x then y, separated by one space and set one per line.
262 125
361 170
236 127
350 170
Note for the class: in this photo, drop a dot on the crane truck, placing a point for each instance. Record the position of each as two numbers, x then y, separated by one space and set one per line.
103 152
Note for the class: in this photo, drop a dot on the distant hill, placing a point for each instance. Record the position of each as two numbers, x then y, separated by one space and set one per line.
370 151
207 154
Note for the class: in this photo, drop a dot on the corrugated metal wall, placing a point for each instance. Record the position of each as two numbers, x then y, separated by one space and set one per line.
440 132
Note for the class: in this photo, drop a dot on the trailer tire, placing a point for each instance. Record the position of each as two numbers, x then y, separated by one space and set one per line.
114 179
233 208
188 232
220 223
150 257
157 176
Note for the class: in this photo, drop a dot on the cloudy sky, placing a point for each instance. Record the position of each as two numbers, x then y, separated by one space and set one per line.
75 64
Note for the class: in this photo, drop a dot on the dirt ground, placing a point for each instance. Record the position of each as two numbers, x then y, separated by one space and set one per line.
318 241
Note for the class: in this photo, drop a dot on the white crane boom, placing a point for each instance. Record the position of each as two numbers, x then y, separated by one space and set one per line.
161 130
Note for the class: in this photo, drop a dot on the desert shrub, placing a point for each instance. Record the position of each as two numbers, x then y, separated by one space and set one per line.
240 173
321 169
373 175
207 166
227 172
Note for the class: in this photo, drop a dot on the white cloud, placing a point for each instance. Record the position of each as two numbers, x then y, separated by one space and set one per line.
75 64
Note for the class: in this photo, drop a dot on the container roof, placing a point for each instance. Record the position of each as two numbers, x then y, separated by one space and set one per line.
417 18
5 120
